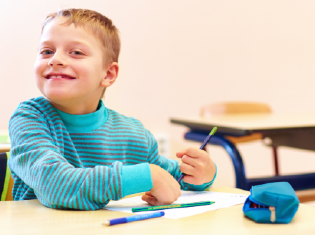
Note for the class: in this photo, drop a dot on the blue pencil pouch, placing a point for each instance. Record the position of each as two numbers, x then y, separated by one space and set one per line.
271 203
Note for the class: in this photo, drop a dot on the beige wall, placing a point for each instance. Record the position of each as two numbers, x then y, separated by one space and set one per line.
178 55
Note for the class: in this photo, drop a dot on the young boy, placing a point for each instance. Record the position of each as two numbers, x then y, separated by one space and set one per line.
70 151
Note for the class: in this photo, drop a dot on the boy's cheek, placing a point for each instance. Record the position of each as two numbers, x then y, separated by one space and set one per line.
39 68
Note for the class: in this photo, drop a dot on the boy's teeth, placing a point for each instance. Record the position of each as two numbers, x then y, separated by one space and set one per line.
54 76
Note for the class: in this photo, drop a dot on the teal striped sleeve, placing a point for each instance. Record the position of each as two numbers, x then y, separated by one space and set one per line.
39 167
171 165
136 179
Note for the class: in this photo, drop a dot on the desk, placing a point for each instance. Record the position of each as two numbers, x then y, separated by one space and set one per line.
4 148
294 130
4 137
30 217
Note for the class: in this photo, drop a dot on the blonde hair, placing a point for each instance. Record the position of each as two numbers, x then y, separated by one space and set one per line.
100 25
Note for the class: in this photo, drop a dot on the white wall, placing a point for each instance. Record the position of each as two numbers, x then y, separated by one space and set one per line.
178 55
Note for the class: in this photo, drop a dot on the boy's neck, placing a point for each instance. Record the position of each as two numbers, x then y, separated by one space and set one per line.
77 108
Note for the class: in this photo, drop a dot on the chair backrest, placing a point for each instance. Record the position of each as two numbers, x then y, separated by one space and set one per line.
233 108
6 181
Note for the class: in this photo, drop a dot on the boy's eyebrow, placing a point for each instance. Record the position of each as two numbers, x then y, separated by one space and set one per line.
80 42
70 42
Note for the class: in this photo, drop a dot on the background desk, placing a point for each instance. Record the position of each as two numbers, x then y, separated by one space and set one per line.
30 217
4 148
294 130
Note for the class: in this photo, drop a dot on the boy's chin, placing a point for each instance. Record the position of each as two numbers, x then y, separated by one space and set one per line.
61 99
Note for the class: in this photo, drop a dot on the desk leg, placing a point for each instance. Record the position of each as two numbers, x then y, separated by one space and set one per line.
241 181
275 160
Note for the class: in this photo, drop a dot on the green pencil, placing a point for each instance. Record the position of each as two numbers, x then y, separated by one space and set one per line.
172 206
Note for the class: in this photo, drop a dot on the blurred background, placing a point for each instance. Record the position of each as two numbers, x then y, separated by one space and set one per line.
178 55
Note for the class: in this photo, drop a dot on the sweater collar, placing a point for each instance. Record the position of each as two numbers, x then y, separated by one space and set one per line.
85 122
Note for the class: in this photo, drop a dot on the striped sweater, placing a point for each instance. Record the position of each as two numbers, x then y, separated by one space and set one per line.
81 161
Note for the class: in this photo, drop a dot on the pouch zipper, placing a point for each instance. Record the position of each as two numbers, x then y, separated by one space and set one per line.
272 214
271 208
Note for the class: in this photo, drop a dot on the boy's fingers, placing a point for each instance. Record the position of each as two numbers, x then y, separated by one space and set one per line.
187 169
196 163
150 199
149 193
192 180
189 160
188 179
195 153
181 153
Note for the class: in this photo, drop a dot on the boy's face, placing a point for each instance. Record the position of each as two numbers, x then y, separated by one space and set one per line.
69 68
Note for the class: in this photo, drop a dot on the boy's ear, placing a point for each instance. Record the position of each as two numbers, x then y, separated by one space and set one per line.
111 74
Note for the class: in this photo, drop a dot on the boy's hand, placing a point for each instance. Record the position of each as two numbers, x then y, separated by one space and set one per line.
197 165
165 189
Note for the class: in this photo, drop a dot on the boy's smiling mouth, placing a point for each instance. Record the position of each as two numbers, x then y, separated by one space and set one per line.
58 76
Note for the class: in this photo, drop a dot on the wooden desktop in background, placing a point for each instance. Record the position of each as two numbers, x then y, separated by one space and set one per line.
4 148
4 137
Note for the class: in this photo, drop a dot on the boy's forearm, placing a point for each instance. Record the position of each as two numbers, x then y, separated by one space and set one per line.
60 185
57 184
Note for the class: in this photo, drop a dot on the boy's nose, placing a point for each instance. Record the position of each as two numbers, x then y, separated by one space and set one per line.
57 60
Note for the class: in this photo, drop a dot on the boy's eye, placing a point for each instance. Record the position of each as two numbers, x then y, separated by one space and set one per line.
76 53
46 52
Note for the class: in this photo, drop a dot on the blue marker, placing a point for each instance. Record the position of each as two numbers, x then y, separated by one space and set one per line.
134 218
